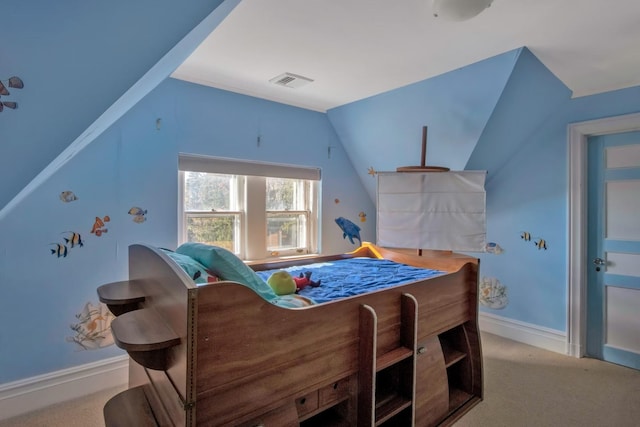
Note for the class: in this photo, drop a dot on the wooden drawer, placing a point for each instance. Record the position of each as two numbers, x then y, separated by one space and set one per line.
307 403
334 392
285 416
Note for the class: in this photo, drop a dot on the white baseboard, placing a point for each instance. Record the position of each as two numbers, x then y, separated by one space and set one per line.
23 396
527 333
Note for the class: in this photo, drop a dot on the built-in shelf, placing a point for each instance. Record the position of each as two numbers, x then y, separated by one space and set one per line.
129 408
457 398
390 408
455 349
392 357
146 337
121 297
452 357
326 418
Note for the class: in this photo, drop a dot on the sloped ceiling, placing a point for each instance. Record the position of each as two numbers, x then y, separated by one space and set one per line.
76 58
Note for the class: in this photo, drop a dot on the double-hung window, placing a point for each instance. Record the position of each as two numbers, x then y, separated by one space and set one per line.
256 210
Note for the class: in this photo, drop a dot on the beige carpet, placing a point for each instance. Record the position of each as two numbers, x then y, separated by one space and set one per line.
524 386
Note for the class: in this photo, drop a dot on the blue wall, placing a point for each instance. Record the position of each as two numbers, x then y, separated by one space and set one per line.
507 115
135 164
385 131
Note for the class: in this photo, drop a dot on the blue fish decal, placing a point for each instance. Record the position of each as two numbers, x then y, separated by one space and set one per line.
349 229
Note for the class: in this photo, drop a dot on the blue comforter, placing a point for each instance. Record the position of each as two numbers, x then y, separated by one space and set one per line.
354 276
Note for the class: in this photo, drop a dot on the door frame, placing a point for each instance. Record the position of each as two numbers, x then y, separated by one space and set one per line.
577 138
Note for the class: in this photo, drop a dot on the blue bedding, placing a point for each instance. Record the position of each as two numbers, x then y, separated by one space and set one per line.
354 276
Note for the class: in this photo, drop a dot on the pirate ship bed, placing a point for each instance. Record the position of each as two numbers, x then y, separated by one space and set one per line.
222 354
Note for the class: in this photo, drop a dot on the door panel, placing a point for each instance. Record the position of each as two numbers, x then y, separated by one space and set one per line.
623 264
622 209
613 289
625 156
623 323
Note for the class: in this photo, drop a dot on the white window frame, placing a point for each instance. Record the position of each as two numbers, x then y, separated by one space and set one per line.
251 204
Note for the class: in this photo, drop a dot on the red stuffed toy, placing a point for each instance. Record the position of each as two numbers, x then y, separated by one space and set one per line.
304 280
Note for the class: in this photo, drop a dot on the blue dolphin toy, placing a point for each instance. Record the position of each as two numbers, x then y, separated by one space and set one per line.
349 229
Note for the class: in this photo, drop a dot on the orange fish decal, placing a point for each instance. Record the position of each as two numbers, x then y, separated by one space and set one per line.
98 226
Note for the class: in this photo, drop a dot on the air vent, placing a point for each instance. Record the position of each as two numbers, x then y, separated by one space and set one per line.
290 80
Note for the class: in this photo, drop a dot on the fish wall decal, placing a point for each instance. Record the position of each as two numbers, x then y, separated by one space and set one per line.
349 229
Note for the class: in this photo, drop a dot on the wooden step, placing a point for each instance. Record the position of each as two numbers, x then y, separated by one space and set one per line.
392 357
121 297
129 408
146 337
390 407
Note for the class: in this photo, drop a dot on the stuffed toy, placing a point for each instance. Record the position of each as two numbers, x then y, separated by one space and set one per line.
304 280
282 283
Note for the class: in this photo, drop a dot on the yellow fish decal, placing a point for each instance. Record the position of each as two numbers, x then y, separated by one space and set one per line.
526 236
75 239
138 214
137 211
541 244
59 251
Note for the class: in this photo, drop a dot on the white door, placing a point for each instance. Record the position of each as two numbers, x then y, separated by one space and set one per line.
613 250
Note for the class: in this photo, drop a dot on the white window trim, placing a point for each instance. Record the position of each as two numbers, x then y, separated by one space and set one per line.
253 242
223 165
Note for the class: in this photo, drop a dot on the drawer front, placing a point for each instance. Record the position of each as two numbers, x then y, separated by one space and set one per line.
285 416
334 392
307 403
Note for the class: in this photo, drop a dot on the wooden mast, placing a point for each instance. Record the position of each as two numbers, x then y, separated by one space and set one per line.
423 159
423 165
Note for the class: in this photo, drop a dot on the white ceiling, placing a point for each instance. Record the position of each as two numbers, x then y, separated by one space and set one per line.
354 49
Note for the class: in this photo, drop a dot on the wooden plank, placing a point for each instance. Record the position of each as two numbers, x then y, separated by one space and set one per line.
392 357
121 297
390 408
123 292
167 288
409 337
143 330
284 416
432 390
367 363
129 408
475 354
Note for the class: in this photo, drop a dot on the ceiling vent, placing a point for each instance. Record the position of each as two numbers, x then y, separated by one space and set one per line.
290 80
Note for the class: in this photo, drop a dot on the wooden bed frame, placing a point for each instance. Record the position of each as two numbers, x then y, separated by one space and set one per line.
221 355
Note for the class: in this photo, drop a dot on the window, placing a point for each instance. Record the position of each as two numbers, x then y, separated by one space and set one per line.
211 211
287 213
258 211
